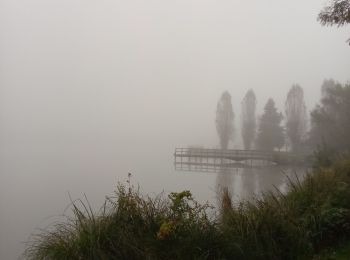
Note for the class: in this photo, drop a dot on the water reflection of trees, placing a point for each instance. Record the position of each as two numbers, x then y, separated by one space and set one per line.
224 179
245 183
270 178
250 182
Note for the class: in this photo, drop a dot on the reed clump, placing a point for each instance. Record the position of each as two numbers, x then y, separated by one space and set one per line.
131 226
313 215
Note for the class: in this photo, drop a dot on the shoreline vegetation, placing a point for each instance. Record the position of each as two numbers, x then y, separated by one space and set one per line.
310 221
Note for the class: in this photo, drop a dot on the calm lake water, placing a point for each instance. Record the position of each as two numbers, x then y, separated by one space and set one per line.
36 182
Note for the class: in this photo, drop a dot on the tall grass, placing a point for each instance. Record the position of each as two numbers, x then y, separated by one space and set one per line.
131 226
313 215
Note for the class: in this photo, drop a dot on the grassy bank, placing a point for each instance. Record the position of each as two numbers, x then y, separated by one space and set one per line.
312 217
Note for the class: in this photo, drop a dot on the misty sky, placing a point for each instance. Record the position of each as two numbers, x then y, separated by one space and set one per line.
134 68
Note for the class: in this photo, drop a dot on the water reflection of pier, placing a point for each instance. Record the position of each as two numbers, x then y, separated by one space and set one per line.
211 167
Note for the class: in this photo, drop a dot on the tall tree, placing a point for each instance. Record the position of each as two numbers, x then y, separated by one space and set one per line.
295 117
336 13
270 133
224 120
248 119
330 120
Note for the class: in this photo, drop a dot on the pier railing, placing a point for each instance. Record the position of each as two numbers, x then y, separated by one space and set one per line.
202 157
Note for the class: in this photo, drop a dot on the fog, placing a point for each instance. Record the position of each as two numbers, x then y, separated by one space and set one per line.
92 90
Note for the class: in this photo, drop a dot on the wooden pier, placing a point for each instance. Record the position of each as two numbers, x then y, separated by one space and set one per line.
212 159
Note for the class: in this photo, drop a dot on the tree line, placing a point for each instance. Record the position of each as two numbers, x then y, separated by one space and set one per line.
329 124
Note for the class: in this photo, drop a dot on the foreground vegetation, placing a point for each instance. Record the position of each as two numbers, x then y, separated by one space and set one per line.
311 218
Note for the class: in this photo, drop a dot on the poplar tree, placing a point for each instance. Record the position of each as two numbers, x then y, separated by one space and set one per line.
224 120
295 110
248 119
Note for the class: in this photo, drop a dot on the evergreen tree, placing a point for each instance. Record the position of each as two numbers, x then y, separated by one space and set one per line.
296 117
248 119
270 133
224 120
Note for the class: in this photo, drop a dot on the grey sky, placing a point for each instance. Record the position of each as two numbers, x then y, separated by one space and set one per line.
143 62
